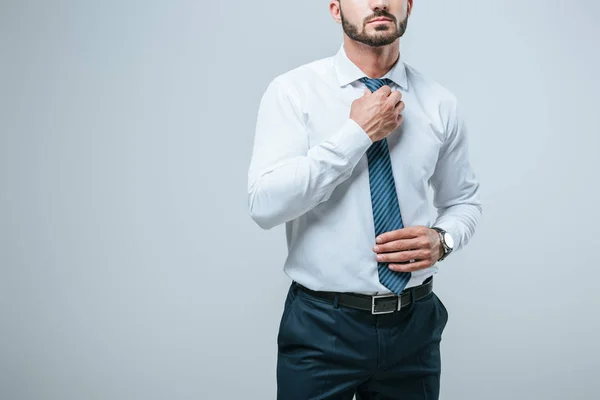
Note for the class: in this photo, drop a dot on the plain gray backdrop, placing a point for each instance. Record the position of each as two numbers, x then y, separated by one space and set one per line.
130 268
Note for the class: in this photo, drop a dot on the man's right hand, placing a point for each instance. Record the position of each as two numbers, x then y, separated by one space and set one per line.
378 113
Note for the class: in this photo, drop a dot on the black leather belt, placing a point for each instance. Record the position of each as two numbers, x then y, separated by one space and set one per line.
376 304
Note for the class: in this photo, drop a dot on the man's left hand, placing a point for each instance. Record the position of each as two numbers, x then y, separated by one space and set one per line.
417 247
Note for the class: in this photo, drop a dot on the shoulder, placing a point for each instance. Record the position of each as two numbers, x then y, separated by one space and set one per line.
428 87
438 100
305 73
302 80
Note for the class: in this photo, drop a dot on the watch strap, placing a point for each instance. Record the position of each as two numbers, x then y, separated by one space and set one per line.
447 250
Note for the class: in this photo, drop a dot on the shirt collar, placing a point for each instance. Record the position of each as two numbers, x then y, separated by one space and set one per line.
347 72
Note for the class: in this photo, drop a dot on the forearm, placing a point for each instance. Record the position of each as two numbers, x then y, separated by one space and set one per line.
280 193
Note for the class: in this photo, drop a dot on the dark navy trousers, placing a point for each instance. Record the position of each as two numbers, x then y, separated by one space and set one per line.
328 351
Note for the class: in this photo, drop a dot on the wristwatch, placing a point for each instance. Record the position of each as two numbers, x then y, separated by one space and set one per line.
447 242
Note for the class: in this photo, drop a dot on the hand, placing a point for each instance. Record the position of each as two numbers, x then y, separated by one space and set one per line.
378 113
419 244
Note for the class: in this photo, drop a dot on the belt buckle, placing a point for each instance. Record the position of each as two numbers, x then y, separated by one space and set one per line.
382 296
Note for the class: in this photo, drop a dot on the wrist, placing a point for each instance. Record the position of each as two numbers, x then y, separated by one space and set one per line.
441 251
439 247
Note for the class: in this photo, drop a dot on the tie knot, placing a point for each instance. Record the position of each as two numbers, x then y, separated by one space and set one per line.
374 84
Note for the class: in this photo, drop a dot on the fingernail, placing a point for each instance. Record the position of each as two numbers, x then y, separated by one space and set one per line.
378 240
376 248
379 258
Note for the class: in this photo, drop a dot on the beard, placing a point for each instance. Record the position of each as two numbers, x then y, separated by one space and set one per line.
383 35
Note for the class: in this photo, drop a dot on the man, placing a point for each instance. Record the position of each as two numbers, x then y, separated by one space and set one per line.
345 151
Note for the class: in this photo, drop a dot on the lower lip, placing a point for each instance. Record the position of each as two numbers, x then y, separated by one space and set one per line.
380 21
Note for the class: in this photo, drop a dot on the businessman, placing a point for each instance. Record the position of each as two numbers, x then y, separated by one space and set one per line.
345 151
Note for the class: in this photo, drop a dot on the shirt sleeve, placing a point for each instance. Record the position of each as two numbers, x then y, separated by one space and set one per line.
455 186
286 178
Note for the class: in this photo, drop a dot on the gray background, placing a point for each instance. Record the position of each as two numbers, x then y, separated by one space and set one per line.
130 268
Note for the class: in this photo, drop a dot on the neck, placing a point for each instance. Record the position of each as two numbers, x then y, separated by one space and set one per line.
375 62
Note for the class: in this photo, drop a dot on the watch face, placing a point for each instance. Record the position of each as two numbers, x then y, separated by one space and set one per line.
449 241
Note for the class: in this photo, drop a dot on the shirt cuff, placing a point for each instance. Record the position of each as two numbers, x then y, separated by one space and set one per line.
451 228
351 141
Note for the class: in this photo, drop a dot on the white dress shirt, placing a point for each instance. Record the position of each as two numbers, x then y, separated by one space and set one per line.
309 170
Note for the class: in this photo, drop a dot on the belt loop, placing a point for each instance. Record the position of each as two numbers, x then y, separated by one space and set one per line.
294 287
336 301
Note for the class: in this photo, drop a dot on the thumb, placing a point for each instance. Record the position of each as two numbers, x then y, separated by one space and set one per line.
366 91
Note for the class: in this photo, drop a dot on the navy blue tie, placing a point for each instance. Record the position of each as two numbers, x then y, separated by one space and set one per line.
384 200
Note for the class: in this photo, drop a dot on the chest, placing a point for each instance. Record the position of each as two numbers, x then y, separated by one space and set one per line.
414 146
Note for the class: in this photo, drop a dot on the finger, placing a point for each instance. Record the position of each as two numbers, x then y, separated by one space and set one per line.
400 106
404 233
385 90
395 97
404 256
399 245
415 266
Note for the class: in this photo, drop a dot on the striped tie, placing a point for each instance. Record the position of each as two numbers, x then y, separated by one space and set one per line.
386 210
